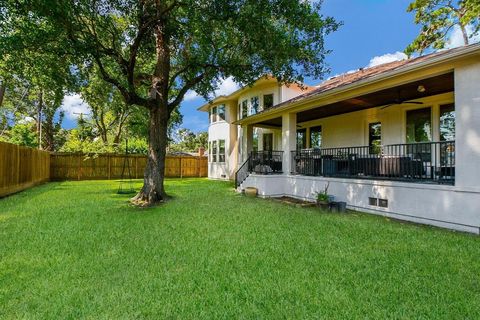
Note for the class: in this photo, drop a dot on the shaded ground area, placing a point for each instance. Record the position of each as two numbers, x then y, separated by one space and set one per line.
78 250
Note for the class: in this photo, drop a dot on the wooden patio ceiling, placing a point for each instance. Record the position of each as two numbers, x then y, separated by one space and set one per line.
436 85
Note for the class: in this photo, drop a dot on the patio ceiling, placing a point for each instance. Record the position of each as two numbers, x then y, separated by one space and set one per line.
433 86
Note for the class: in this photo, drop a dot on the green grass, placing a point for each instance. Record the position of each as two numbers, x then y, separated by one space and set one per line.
79 250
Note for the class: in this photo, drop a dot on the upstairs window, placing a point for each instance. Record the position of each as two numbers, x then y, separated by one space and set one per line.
213 115
217 113
254 105
221 112
267 101
244 109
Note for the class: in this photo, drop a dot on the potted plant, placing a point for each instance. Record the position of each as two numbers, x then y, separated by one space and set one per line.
323 199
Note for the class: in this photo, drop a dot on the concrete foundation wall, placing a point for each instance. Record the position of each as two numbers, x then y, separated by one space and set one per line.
443 206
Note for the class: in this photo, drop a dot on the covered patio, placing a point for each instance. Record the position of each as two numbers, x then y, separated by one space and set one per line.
405 132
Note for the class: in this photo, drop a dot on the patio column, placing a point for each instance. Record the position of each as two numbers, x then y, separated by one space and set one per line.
467 125
289 131
247 141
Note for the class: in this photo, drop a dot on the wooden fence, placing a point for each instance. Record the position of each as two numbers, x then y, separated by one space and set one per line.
67 166
22 168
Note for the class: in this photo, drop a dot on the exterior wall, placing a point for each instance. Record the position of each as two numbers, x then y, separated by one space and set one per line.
290 92
443 206
224 130
467 149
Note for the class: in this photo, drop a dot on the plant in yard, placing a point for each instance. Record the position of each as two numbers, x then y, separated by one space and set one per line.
323 198
154 52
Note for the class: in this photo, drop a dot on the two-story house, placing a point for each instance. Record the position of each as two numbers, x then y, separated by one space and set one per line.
401 139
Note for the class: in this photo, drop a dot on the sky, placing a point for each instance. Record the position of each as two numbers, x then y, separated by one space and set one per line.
373 32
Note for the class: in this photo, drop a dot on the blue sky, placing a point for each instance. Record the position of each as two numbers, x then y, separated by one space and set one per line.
373 31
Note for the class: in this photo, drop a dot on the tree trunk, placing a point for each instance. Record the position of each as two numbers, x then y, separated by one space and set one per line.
2 92
39 119
153 190
464 34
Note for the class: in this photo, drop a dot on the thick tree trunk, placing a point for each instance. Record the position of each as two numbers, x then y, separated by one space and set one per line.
464 34
153 190
2 93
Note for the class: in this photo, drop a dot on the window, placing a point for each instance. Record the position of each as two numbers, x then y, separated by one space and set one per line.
419 125
375 137
214 151
268 141
221 150
209 151
221 112
301 139
255 141
244 109
316 137
214 114
254 105
447 122
267 101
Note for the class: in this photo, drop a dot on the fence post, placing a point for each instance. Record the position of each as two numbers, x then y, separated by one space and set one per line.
181 171
136 167
109 167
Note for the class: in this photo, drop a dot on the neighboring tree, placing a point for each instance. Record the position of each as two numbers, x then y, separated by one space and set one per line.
188 141
154 52
438 18
109 112
24 134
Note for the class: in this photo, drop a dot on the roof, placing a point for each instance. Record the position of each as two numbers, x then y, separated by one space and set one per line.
267 79
367 73
364 76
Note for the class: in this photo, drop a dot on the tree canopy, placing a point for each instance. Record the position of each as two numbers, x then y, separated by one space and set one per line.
439 17
154 52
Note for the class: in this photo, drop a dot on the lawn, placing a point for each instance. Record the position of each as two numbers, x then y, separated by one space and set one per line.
79 250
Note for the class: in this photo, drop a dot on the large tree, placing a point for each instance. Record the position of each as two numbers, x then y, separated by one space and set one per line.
439 17
155 51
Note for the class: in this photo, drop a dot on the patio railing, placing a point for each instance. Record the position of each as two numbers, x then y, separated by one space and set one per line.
432 162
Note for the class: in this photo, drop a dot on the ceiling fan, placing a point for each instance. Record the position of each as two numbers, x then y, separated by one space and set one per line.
399 100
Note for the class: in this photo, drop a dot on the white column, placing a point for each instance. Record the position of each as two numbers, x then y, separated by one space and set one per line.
247 141
289 131
467 126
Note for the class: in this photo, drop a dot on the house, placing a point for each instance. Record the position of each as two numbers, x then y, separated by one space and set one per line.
400 139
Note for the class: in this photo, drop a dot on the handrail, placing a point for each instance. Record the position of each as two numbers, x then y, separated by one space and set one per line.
242 172
431 162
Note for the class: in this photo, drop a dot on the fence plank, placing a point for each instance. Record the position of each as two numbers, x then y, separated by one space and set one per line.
110 166
22 168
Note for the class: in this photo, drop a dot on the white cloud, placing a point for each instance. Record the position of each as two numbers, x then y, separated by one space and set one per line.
26 120
226 87
74 104
386 58
456 37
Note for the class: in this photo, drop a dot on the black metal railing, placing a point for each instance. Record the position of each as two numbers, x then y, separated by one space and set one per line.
261 162
243 172
415 162
266 162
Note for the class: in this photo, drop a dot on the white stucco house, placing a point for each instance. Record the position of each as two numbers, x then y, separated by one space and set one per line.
400 139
